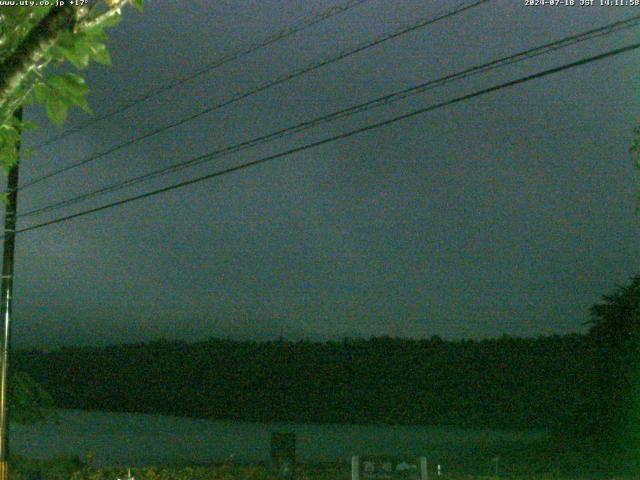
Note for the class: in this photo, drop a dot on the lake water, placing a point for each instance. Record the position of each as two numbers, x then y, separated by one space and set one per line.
135 439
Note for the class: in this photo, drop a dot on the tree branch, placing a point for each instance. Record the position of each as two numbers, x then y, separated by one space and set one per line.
15 69
28 56
115 7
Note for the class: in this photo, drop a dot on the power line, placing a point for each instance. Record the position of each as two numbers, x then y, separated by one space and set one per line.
341 136
241 96
270 40
375 103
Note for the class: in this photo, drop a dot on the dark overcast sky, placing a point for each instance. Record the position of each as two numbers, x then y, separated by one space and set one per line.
510 213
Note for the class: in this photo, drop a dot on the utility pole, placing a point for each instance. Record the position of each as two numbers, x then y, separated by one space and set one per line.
6 290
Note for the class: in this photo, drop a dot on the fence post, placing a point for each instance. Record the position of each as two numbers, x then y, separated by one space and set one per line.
355 468
424 473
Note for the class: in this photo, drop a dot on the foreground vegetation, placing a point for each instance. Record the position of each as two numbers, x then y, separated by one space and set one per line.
70 469
540 460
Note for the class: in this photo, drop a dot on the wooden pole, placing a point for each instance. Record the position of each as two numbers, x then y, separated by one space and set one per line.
6 291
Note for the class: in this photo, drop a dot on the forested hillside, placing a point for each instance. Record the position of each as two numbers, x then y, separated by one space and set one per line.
505 382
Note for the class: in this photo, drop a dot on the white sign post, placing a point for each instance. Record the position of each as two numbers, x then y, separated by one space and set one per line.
392 468
355 468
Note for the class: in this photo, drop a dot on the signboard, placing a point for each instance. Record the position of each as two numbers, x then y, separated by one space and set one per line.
392 468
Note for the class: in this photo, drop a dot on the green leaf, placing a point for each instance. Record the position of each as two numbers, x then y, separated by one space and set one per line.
138 5
95 33
8 154
82 103
78 58
41 92
55 54
30 403
93 46
69 83
56 110
10 132
100 53
112 20
66 39
70 89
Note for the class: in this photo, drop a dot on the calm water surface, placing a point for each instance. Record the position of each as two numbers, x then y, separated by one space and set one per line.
136 439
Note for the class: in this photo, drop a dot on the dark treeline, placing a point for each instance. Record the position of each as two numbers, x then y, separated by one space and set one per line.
503 383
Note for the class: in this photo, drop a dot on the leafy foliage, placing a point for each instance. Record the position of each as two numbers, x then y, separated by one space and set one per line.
521 460
635 150
78 46
217 472
28 401
57 468
59 92
9 138
616 321
613 373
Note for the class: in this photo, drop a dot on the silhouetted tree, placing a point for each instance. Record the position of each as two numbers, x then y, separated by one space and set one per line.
612 378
